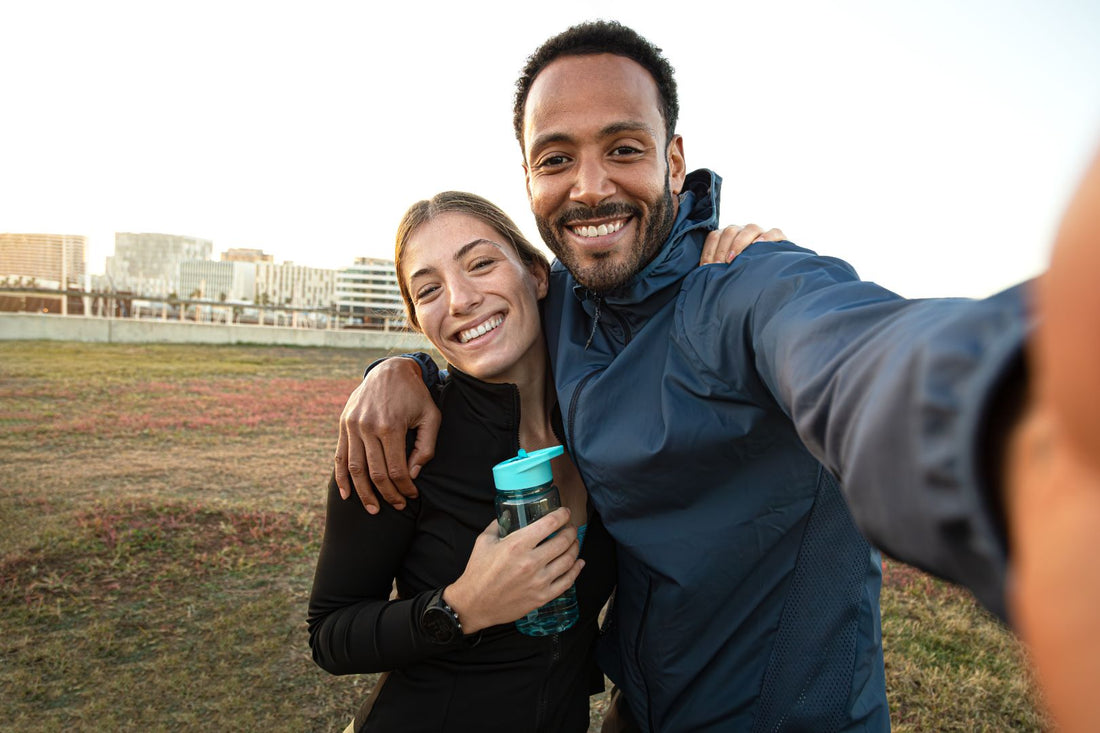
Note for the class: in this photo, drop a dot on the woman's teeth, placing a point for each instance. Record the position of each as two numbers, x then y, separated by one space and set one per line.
601 230
481 330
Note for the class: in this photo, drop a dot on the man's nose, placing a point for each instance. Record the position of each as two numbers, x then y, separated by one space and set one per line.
592 184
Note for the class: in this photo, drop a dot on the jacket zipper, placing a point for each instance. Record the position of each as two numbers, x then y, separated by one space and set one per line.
573 407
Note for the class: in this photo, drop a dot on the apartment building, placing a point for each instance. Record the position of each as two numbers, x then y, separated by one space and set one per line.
367 294
45 260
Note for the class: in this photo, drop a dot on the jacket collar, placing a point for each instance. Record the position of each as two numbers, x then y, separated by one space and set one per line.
659 281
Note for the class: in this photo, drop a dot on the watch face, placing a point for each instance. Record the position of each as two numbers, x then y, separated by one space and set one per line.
439 624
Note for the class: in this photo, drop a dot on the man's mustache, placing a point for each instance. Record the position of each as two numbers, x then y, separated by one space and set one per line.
612 210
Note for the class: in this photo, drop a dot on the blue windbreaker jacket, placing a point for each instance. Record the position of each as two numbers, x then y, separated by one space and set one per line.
714 413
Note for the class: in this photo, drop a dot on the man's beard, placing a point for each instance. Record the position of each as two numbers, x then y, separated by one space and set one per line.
606 275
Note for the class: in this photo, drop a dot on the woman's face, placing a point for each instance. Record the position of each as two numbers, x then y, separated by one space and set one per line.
475 301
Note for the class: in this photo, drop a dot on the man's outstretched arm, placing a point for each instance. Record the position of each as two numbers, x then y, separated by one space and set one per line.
371 454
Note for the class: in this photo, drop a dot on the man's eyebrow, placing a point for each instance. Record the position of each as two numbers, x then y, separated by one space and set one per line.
459 254
616 128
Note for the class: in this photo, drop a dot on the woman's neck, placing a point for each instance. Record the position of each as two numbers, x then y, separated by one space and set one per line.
536 400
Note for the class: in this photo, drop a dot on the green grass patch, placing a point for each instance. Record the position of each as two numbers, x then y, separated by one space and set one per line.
161 509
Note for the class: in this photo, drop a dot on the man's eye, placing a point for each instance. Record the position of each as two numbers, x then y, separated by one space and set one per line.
625 150
553 161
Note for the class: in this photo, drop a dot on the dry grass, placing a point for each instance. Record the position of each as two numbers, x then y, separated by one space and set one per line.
160 511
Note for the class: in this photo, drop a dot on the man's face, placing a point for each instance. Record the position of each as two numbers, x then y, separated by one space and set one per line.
601 180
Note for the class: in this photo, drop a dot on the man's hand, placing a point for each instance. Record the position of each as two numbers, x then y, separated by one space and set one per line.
507 578
390 401
1053 484
723 245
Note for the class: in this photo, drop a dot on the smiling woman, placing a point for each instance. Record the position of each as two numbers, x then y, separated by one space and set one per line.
455 661
474 299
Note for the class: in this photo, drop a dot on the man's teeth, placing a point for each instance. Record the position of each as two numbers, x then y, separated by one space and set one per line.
481 330
601 230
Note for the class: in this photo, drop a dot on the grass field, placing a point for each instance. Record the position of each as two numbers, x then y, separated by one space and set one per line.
160 511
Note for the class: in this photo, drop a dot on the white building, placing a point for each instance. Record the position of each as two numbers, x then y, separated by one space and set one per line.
296 285
148 263
219 281
367 294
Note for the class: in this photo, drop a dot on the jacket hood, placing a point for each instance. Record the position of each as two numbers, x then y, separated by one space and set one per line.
659 281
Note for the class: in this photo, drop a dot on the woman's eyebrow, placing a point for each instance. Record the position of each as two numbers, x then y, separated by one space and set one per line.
459 254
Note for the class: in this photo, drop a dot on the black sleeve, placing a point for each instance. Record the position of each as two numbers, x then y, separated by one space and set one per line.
354 627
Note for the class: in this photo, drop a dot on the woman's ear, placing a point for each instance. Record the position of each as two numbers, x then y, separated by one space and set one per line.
541 272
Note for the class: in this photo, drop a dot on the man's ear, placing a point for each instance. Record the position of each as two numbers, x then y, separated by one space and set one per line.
677 167
527 180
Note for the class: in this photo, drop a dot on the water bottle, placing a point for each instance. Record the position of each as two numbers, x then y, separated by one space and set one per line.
525 492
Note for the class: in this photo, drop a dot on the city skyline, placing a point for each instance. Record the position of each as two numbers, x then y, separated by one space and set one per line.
933 146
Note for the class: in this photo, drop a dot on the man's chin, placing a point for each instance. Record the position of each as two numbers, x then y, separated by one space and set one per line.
602 279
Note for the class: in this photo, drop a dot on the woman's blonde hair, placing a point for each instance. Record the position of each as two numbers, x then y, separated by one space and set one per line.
470 204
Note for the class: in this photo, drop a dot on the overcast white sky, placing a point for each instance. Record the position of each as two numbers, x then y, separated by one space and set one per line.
932 144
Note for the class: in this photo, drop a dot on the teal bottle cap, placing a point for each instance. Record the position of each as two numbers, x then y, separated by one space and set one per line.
526 469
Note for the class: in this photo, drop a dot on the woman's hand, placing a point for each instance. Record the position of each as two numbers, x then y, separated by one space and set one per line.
508 577
723 245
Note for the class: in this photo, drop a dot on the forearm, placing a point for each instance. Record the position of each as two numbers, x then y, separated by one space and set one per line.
354 627
896 398
370 636
915 424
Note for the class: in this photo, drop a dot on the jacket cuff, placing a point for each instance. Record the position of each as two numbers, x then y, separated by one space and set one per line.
429 372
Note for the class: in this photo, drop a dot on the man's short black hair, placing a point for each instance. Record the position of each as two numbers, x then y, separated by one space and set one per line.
595 37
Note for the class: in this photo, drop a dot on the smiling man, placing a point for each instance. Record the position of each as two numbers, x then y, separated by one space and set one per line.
715 413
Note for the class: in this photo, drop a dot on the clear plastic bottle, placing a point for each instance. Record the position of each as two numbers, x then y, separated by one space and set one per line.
526 492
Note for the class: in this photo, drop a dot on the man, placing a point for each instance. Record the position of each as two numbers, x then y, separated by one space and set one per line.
713 410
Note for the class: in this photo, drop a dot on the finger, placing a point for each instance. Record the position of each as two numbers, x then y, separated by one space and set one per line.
710 248
493 530
772 235
394 446
749 234
340 469
426 433
541 529
357 463
563 582
560 564
379 475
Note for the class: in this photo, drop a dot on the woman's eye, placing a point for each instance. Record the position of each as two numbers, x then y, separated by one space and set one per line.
426 292
481 263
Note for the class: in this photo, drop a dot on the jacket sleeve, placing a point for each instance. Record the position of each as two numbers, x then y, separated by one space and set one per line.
354 627
895 397
432 375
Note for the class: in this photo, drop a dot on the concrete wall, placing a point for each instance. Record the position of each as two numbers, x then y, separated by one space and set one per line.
50 327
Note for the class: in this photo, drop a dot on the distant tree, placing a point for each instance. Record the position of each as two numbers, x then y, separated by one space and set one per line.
222 297
195 293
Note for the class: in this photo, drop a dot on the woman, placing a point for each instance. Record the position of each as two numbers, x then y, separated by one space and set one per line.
471 283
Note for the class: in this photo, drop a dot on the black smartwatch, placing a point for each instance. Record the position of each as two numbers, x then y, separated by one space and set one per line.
439 621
